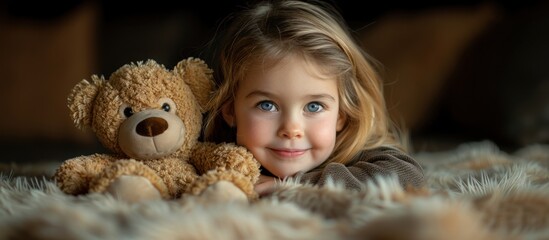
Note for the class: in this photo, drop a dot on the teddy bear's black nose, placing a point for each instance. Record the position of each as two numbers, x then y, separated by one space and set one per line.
152 126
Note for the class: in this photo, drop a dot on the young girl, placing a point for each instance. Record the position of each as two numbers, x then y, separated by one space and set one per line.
301 95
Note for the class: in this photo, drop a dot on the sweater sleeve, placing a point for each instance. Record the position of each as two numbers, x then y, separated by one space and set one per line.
383 161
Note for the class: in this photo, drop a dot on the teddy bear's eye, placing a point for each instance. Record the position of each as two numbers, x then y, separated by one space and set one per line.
128 112
166 107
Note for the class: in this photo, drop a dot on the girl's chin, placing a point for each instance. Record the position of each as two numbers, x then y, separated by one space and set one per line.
284 174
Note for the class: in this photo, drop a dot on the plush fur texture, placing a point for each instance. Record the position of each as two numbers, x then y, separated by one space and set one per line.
150 118
474 192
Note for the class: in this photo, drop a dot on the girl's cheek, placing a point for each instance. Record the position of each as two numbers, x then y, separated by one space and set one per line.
259 125
253 128
323 132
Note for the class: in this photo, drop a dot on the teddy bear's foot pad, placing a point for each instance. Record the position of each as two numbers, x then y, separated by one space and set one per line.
133 189
224 191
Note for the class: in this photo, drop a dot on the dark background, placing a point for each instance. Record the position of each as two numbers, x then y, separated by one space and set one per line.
455 72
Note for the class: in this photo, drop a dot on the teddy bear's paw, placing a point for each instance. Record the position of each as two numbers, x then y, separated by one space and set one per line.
133 189
223 191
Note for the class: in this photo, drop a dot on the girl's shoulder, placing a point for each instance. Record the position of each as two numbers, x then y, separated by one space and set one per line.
382 153
385 149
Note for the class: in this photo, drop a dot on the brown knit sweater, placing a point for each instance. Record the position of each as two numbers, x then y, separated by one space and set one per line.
368 164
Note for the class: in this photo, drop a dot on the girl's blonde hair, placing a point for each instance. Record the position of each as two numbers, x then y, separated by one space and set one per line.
274 29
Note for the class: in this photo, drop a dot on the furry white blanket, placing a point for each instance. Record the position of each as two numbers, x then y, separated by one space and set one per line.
475 191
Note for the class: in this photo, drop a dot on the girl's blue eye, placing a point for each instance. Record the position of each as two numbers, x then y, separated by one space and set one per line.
314 107
267 106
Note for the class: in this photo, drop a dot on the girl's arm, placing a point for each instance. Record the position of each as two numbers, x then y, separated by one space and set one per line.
370 163
265 185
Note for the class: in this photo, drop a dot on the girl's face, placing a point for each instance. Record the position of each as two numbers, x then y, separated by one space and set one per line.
287 116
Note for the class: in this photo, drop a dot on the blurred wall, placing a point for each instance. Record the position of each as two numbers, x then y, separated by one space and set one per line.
41 58
430 53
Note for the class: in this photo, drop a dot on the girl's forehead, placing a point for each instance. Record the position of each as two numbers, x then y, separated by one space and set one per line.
266 65
290 75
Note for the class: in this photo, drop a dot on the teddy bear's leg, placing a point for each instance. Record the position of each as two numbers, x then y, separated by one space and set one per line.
215 184
75 175
176 174
128 168
133 189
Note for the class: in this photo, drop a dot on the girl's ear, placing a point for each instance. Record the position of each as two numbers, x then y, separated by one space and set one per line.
227 110
341 120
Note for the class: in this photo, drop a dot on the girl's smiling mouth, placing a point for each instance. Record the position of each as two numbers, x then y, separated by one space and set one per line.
288 153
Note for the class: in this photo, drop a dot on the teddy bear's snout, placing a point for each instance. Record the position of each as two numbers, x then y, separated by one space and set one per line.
152 126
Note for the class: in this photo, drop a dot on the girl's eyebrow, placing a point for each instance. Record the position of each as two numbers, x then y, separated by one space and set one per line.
322 96
312 96
260 93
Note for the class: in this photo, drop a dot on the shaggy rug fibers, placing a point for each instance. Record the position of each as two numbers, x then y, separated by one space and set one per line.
475 191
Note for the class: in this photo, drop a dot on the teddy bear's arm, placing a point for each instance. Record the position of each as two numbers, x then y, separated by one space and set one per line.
225 156
75 175
224 162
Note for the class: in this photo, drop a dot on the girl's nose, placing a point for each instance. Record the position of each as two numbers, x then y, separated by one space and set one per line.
290 129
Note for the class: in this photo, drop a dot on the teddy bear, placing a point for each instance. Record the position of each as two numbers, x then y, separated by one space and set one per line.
149 118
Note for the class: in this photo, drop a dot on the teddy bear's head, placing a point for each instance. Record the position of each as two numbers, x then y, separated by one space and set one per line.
144 110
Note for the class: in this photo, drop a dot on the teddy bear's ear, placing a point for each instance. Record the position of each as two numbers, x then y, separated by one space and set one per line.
196 73
81 99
